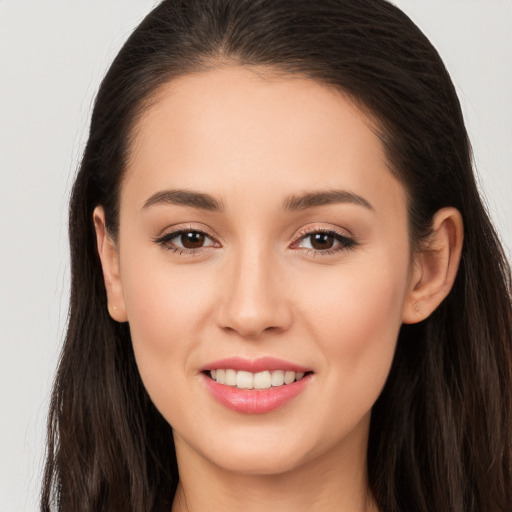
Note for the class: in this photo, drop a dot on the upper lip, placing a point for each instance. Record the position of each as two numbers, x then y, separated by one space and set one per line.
254 365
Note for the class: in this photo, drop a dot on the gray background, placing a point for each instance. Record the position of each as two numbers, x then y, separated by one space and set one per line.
52 57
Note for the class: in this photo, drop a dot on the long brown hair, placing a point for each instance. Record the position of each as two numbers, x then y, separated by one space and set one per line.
441 431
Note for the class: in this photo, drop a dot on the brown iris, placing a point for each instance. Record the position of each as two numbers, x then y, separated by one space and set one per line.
192 239
322 241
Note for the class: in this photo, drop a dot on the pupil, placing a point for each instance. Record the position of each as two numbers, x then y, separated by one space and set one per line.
192 240
322 241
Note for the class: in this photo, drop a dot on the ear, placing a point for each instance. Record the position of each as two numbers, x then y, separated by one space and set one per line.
435 266
110 264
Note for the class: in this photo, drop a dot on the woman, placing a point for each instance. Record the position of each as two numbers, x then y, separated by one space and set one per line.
285 287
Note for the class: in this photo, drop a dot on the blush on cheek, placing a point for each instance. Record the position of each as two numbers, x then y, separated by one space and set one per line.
357 324
162 305
166 312
359 305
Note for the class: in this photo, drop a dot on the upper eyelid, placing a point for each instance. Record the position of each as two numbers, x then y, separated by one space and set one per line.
185 228
169 233
167 237
347 240
309 230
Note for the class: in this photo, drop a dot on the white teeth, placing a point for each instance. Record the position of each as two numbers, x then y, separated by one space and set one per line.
278 378
260 380
230 378
289 377
244 380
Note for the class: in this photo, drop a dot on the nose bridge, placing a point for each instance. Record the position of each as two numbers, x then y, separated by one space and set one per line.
254 298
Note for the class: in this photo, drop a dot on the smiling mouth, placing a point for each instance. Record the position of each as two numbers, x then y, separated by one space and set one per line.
257 381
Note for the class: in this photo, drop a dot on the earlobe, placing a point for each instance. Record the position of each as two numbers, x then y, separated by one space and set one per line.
109 258
435 266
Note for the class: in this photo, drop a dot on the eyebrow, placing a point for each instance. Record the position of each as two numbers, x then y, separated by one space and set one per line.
183 197
321 198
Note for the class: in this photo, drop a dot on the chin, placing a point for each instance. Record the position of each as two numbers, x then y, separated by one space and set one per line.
257 463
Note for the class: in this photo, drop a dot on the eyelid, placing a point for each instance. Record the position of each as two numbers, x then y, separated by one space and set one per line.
311 229
166 235
346 241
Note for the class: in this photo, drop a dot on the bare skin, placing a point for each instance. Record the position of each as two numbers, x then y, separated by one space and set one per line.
259 218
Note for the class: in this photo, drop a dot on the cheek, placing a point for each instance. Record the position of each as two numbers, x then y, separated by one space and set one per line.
355 304
166 313
356 320
166 309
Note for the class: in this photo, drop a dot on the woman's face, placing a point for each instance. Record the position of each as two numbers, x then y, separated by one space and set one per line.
261 232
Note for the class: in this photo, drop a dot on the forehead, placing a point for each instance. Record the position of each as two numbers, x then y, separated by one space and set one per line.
232 128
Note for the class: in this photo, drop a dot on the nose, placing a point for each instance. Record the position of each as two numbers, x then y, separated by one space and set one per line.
254 296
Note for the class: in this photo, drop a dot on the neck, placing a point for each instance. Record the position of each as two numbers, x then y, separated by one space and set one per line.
335 481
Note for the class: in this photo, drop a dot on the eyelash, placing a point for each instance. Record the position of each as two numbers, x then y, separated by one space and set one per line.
165 241
346 243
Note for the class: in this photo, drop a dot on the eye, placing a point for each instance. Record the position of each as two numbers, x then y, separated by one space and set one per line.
325 242
190 240
186 240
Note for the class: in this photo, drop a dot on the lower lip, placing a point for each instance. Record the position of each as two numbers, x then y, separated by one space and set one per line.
252 401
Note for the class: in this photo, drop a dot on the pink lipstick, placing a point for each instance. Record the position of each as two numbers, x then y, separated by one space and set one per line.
255 386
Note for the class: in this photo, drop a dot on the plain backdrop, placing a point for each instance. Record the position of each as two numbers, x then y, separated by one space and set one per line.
53 55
